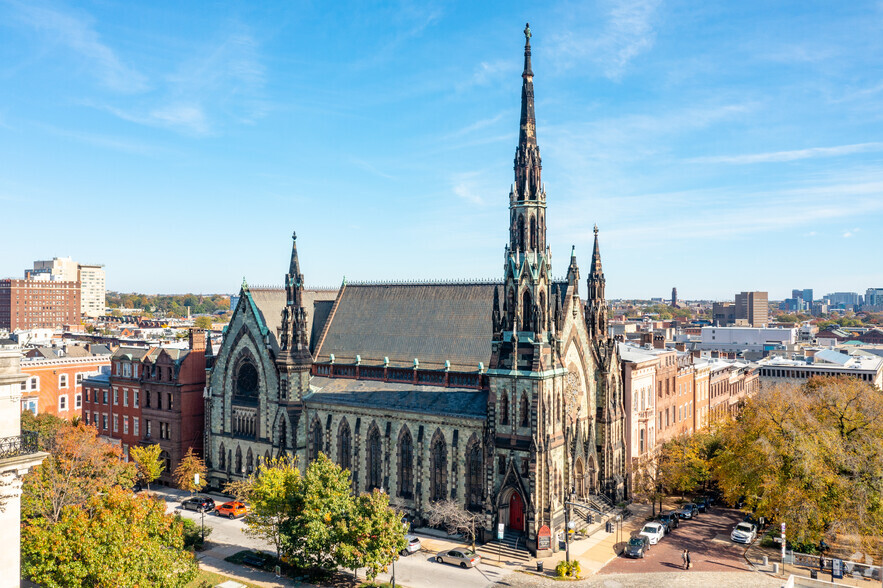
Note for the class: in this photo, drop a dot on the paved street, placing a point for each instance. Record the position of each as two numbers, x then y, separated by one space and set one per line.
420 570
708 539
691 579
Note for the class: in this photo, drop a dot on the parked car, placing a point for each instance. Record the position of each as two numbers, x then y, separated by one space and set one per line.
413 545
702 504
465 558
666 524
199 504
671 519
654 532
231 510
637 547
744 533
688 511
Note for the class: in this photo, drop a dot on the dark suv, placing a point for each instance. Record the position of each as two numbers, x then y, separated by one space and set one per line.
670 520
199 504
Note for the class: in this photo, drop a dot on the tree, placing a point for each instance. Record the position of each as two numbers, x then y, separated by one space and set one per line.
79 465
46 426
685 463
321 511
272 493
452 516
203 322
809 456
646 479
375 535
115 539
148 462
185 474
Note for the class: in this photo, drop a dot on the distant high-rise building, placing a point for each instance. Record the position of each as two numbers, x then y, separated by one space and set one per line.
33 303
847 299
674 296
807 296
753 307
873 298
723 314
65 269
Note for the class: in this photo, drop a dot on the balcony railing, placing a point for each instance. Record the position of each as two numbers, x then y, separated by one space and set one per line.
24 444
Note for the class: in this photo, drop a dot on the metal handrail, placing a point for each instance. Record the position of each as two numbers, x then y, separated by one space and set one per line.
24 444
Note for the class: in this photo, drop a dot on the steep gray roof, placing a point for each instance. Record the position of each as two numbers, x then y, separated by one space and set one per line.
395 396
431 322
271 302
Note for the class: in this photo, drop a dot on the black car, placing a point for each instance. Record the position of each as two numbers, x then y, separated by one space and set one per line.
637 547
702 504
670 520
666 524
199 504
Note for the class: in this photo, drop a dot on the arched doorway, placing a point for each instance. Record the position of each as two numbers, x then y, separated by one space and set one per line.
580 478
516 512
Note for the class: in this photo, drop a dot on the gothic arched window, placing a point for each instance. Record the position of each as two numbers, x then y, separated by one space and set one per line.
406 464
315 440
521 232
344 445
222 458
249 463
504 409
238 468
474 476
524 417
438 467
526 312
374 457
247 382
533 233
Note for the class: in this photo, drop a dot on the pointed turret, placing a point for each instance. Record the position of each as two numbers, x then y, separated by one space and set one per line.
596 279
573 268
596 305
294 317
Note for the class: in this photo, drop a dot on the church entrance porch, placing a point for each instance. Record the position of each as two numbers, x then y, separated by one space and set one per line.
511 512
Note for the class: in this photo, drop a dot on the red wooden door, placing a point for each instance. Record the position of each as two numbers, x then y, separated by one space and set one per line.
516 512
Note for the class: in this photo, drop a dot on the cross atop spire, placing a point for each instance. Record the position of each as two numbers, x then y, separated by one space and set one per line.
527 71
596 271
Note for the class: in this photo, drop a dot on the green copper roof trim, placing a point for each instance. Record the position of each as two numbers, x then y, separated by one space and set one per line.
527 374
256 312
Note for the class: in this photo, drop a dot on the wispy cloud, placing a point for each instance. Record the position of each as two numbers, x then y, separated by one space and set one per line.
848 234
477 126
779 156
370 168
99 140
473 187
78 34
627 33
225 82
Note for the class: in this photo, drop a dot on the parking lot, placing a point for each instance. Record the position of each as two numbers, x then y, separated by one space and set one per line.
706 537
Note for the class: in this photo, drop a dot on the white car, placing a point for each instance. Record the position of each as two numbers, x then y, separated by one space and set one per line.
653 532
413 545
744 533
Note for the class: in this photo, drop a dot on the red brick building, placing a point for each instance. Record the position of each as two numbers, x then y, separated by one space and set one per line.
28 304
54 382
114 406
173 408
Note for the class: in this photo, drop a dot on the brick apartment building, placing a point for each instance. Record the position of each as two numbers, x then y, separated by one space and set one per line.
34 303
152 395
55 378
114 403
173 408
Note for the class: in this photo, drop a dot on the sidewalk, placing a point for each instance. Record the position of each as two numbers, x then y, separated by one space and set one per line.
754 556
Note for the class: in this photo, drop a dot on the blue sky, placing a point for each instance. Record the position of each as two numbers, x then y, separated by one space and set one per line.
719 146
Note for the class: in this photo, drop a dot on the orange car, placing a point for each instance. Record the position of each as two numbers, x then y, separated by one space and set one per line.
231 510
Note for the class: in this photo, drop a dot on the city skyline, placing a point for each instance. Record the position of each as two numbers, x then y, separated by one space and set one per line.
720 149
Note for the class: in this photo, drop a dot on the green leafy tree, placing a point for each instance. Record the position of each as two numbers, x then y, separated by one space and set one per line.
375 535
203 322
79 465
46 426
148 462
810 457
321 512
114 540
188 468
271 493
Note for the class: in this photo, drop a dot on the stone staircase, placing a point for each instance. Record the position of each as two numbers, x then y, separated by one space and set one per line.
511 547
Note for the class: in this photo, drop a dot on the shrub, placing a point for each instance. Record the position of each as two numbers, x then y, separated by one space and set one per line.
568 570
193 533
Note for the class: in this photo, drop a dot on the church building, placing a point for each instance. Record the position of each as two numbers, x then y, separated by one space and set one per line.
505 396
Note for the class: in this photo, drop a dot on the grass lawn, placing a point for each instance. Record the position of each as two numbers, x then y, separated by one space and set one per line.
209 579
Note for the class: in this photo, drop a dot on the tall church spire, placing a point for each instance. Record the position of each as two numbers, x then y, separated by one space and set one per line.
527 200
596 304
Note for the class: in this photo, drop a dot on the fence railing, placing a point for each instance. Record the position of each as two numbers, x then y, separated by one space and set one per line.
23 444
851 569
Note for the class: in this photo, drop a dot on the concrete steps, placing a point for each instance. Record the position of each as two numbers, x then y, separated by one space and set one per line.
497 550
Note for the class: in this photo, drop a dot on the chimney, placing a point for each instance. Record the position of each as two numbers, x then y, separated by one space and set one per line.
659 342
197 340
681 346
697 353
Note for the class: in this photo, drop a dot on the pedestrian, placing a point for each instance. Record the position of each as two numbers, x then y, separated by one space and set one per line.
689 563
685 558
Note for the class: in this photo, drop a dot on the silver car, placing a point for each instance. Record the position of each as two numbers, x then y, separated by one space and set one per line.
465 558
413 545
